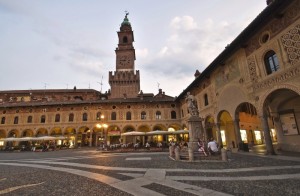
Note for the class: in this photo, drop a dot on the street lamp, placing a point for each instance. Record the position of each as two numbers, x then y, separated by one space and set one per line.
103 128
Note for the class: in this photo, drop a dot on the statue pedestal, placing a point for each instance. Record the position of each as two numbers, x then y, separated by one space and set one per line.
193 146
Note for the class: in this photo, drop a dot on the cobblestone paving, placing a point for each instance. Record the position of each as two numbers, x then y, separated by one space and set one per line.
90 172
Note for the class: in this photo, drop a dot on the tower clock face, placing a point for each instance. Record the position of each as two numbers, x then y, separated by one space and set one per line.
124 60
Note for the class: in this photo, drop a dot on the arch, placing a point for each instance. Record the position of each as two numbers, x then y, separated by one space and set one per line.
128 128
175 126
41 132
83 129
56 131
248 123
262 98
13 133
209 126
84 136
280 109
230 98
144 128
27 133
69 131
2 133
159 127
225 122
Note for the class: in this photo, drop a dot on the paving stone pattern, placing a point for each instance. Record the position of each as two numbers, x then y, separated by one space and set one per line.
89 172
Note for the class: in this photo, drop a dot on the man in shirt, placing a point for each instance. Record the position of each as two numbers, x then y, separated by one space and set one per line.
212 146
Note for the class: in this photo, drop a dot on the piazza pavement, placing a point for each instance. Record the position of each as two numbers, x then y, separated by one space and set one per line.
87 171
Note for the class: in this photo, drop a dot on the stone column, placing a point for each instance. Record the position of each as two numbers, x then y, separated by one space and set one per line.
96 139
237 131
219 134
76 140
268 141
279 131
91 138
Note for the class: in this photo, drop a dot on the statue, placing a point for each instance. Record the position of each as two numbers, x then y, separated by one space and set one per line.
190 99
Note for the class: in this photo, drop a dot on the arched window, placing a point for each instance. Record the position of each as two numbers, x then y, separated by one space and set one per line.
125 39
271 62
16 120
43 119
205 99
29 119
84 117
113 116
3 120
158 115
71 117
173 115
98 116
128 116
57 117
143 115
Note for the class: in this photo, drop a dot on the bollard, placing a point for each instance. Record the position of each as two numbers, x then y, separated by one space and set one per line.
224 154
191 154
177 156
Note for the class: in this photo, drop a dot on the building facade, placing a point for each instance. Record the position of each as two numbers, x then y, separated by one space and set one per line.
249 93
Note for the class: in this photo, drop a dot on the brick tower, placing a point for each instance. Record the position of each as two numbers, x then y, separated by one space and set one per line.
125 81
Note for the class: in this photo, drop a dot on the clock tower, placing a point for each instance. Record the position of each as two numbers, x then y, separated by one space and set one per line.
125 81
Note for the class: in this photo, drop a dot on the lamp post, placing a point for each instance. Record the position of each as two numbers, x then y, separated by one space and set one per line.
103 128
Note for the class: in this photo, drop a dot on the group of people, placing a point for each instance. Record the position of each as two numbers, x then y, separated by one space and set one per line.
212 147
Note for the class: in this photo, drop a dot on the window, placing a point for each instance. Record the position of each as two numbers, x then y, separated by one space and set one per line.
29 119
113 116
173 115
43 119
3 120
182 113
98 116
271 62
205 100
128 116
57 117
16 120
143 115
125 39
71 117
84 117
158 115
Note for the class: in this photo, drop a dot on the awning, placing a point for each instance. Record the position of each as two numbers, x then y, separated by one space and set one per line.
157 132
133 133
